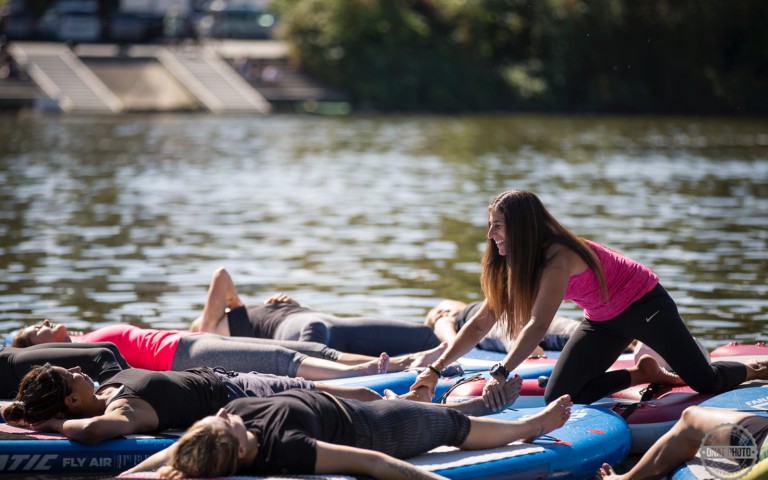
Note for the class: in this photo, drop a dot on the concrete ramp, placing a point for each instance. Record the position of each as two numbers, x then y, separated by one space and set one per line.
64 79
212 81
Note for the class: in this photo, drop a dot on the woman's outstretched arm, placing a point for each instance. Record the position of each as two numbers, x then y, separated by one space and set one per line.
154 461
333 458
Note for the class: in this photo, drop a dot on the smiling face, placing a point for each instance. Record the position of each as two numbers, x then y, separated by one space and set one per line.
46 332
497 232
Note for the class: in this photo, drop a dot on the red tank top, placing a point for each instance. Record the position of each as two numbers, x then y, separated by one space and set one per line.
145 348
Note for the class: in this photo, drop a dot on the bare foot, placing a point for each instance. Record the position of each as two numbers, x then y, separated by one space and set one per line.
383 363
606 472
552 417
372 367
427 357
477 408
648 370
421 394
757 370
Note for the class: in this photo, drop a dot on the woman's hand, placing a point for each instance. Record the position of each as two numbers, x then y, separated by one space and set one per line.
493 394
50 425
427 378
280 298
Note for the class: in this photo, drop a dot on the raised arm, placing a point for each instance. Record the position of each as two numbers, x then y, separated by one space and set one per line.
221 295
333 458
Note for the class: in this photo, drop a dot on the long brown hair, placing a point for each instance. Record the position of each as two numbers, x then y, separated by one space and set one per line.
511 282
206 450
41 396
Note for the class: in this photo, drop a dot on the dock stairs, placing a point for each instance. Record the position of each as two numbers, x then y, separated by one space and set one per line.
66 82
215 84
70 86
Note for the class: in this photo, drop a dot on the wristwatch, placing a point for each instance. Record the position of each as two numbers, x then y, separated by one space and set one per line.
499 369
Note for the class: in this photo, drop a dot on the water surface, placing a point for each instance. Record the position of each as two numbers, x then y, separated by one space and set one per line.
124 219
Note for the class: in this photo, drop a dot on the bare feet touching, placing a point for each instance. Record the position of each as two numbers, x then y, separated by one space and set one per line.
552 417
477 408
606 472
757 370
647 370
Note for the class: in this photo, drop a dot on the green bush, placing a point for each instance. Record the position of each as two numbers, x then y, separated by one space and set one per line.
573 55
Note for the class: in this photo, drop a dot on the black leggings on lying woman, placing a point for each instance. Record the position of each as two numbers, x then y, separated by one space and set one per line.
100 361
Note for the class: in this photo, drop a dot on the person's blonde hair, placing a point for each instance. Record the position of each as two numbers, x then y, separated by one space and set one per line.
205 450
511 282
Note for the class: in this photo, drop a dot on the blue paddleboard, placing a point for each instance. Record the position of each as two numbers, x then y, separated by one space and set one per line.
20 454
592 436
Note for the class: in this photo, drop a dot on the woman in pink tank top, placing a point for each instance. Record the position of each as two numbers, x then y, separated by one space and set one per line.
531 264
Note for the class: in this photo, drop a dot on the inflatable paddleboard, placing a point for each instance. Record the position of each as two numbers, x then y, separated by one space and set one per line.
591 436
748 399
649 412
28 452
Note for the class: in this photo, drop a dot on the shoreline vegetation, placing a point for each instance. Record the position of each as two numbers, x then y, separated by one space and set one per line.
602 56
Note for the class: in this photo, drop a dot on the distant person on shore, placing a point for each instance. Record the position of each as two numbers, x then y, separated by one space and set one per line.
177 350
282 318
173 25
531 265
282 435
684 441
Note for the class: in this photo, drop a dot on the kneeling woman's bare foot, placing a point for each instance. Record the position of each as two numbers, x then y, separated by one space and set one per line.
477 408
606 472
648 370
552 417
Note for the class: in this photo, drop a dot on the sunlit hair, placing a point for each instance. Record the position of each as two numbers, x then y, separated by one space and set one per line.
41 396
21 340
511 282
205 450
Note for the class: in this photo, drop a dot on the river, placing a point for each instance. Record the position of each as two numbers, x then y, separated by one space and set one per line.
123 219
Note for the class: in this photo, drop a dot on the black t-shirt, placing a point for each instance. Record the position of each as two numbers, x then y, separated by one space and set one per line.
287 426
178 398
260 321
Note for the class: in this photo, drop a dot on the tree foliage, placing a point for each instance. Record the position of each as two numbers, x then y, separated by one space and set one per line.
571 55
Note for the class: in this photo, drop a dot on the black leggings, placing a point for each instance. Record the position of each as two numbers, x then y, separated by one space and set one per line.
100 361
654 320
405 429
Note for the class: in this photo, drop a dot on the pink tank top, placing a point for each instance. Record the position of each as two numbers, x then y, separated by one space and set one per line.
627 282
145 348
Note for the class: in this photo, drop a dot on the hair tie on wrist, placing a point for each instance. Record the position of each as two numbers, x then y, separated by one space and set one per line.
435 370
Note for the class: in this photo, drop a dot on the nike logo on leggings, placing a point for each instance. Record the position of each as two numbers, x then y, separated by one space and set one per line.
651 317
